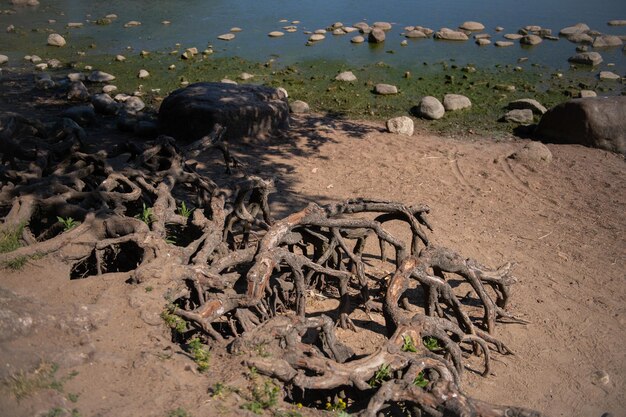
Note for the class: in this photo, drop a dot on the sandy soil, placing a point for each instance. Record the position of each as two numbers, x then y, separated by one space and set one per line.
562 222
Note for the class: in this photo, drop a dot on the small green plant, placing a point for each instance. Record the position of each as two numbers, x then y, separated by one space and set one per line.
24 384
55 412
408 345
382 374
184 211
431 343
172 320
200 354
10 239
262 398
261 350
146 215
179 412
73 397
68 223
338 405
420 380
16 263
149 289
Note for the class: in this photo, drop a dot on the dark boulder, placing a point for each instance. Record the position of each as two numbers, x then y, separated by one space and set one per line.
245 110
597 122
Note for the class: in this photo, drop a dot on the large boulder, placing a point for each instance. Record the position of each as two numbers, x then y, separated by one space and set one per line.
453 102
245 110
598 122
429 107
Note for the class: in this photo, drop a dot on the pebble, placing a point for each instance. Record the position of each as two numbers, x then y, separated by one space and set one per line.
402 125
132 24
299 107
586 58
587 93
385 89
377 35
235 29
530 40
41 67
100 77
54 63
226 37
244 76
120 58
451 35
528 103
228 81
143 74
483 41
503 44
513 36
382 25
54 39
276 34
316 37
347 76
3 59
108 89
166 22
499 29
358 39
75 25
133 104
600 378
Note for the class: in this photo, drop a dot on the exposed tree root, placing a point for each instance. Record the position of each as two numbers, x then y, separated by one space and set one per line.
240 278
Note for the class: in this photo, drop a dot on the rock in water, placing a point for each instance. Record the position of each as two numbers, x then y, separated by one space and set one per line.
402 125
451 35
430 108
586 58
597 122
377 35
54 39
472 26
245 110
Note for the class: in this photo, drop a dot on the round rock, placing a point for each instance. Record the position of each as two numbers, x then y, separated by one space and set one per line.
143 74
54 39
245 110
586 58
607 41
402 125
77 92
3 59
382 25
451 35
226 37
104 104
453 102
377 35
521 116
346 76
472 26
100 77
385 89
358 39
316 37
299 107
276 34
530 40
430 108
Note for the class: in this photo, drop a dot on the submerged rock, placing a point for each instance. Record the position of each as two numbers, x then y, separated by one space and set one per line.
226 37
358 39
472 26
377 35
586 58
607 41
54 39
572 30
451 35
503 44
531 40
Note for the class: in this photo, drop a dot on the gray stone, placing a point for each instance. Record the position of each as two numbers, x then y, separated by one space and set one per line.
472 26
54 63
83 115
77 92
533 154
358 39
226 37
377 35
503 44
134 104
580 38
299 107
430 108
453 102
586 58
527 103
276 34
100 77
608 75
571 30
513 36
245 110
382 25
362 26
316 37
531 40
143 74
402 125
385 89
587 93
104 104
76 76
619 22
598 122
483 41
415 34
109 88
607 41
451 35
3 59
520 116
346 76
132 24
54 39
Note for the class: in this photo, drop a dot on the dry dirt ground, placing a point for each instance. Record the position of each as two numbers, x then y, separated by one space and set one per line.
562 222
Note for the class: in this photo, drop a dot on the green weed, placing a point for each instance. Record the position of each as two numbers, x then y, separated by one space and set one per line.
68 223
16 263
179 412
24 384
262 398
431 343
184 211
200 354
382 374
172 320
146 215
10 239
408 345
420 380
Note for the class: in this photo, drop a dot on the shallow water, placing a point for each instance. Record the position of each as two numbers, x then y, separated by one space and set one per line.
199 22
